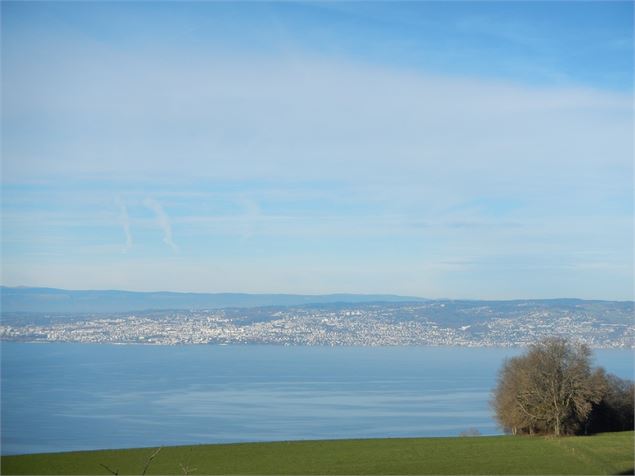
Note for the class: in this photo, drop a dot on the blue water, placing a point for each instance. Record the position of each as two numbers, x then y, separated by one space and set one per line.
60 397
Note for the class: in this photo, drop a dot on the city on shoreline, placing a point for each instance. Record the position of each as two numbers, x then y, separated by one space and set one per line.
599 324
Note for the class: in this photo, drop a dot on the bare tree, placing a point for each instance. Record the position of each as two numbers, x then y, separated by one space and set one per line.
471 431
551 389
509 404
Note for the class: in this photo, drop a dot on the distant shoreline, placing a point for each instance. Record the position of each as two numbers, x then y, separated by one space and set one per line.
599 324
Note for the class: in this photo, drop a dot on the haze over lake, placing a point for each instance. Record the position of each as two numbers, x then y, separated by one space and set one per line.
59 397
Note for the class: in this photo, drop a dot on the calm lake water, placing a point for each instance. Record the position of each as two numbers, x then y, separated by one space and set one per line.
60 397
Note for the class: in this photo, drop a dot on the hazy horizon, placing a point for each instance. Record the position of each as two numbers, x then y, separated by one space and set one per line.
461 150
212 292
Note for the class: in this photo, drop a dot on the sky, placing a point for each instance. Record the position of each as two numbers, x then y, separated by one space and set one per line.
479 150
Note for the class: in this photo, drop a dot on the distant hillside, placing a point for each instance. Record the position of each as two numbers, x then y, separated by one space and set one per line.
25 299
199 320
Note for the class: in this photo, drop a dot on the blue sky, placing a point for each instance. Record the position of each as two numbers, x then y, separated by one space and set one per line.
439 149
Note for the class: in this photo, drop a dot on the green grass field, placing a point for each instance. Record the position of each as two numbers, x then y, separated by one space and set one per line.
610 453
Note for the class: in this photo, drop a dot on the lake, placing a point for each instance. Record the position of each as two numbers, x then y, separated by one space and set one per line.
61 397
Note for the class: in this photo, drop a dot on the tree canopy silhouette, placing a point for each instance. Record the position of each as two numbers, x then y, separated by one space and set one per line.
616 410
551 389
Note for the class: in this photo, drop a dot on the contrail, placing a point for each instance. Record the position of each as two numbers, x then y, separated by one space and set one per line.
163 221
125 222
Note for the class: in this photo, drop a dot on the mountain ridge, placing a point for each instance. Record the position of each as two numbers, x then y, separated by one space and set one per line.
47 299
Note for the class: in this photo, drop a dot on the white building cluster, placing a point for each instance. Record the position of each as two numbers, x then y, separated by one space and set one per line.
388 324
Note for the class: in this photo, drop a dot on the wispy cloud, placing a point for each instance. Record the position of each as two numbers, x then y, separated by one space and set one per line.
163 221
368 124
124 220
291 167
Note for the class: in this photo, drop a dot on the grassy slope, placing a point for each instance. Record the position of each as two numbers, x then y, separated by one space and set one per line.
610 453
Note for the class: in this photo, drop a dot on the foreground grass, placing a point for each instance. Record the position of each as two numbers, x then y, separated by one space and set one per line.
610 453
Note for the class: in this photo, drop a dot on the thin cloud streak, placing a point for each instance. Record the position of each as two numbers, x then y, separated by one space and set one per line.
163 221
305 169
124 220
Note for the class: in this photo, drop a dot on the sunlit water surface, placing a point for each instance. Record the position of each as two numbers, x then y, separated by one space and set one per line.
59 397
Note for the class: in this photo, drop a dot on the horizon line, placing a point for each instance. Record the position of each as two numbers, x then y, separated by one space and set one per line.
563 298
